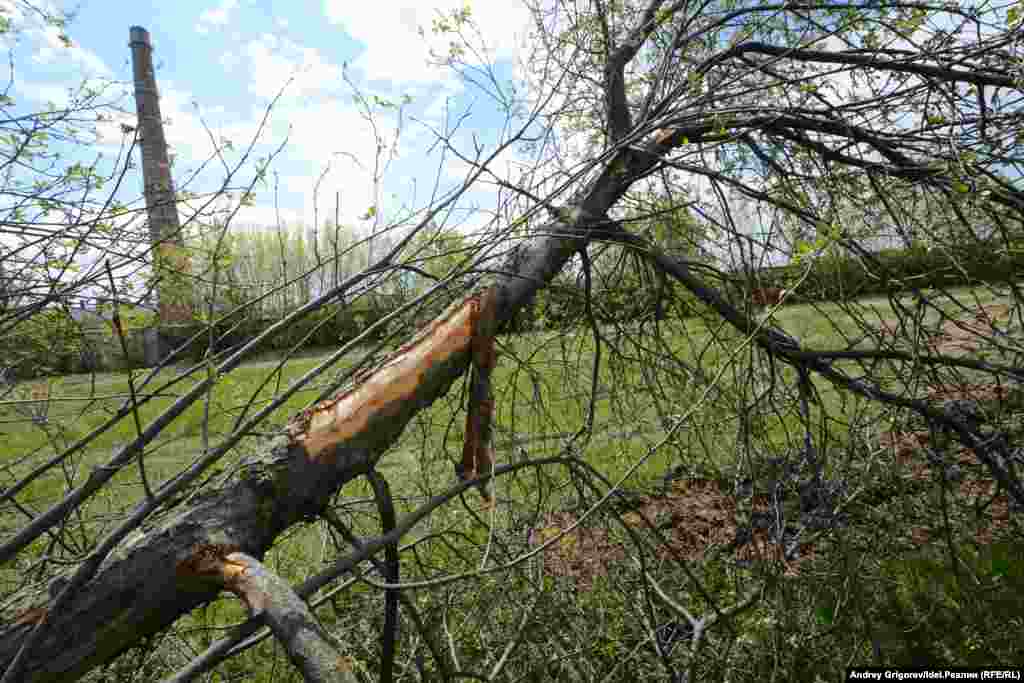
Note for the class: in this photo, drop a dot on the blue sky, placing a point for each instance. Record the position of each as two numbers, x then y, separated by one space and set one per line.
230 57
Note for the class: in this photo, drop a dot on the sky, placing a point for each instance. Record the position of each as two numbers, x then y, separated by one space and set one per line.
223 62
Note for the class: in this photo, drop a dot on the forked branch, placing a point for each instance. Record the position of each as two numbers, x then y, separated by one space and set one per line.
308 644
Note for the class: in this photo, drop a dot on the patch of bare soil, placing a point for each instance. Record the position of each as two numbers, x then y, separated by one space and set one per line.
972 485
583 554
970 392
963 335
697 516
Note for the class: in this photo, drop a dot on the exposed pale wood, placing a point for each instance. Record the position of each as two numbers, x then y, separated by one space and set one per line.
477 453
136 591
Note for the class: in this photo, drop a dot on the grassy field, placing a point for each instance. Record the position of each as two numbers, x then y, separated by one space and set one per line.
649 415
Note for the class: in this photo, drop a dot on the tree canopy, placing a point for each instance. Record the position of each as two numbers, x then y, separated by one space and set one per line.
707 490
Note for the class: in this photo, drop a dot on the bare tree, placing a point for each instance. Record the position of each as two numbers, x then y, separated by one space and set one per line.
813 114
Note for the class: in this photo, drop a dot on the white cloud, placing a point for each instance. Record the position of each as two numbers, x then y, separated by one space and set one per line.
275 60
186 136
218 16
265 216
56 93
444 92
331 136
52 50
390 30
327 135
183 128
32 28
324 130
109 131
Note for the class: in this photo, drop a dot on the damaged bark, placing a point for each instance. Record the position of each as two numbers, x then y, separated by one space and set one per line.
477 455
114 601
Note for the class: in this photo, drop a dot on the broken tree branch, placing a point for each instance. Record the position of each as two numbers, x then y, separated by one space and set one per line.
309 646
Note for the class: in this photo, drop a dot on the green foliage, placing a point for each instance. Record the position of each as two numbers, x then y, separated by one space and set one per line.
329 327
47 343
837 276
438 252
1015 14
912 603
928 613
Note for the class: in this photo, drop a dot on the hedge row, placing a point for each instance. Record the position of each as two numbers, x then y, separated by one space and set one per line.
330 326
53 343
893 270
50 342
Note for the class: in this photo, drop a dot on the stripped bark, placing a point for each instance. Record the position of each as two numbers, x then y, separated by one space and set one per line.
116 601
477 454
767 296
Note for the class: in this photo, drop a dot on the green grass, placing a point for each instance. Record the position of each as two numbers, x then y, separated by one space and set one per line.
646 419
545 372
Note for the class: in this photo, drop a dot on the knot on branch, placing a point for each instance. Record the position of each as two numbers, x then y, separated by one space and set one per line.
664 135
209 561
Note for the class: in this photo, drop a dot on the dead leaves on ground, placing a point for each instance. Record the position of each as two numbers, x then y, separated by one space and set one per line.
697 516
965 334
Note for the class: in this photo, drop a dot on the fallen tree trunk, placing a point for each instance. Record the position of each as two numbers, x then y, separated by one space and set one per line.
114 602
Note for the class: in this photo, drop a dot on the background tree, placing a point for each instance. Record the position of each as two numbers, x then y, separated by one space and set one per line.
281 268
438 252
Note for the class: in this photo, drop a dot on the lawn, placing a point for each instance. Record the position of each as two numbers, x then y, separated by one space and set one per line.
649 415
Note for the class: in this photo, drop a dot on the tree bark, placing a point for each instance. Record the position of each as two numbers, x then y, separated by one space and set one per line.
310 648
137 591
